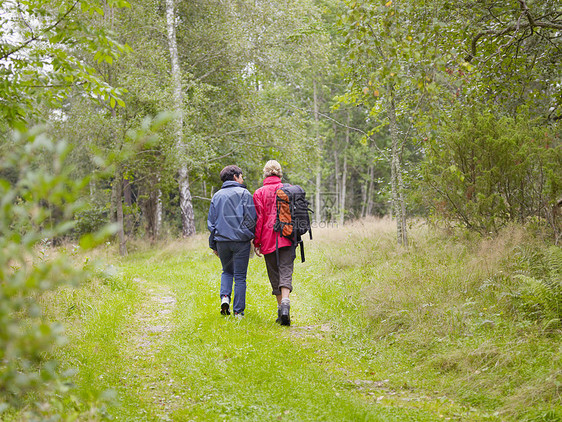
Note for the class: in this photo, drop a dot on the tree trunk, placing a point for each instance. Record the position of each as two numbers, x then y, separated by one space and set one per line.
317 205
336 177
151 204
344 173
334 213
128 198
186 205
363 199
117 200
396 181
370 190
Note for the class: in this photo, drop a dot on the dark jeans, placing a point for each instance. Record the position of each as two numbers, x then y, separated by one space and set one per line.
234 258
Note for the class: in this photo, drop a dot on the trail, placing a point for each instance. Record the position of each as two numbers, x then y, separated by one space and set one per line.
187 362
148 333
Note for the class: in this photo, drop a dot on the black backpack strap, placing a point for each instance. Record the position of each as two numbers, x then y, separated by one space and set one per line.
302 251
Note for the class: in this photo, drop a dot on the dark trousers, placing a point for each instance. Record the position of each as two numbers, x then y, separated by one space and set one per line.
280 275
234 258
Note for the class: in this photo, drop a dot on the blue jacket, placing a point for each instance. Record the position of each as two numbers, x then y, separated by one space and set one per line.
232 215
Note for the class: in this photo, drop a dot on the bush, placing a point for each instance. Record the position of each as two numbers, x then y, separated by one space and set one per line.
485 171
90 220
40 186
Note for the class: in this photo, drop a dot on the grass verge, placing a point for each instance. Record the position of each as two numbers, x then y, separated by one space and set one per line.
455 328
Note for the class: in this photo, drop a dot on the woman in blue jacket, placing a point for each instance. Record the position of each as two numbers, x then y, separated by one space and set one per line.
232 222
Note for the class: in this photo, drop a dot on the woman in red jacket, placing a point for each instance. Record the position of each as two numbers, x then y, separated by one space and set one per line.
266 241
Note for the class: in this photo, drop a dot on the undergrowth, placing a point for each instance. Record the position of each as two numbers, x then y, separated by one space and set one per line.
477 319
456 327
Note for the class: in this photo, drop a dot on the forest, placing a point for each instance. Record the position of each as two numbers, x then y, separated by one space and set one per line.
441 119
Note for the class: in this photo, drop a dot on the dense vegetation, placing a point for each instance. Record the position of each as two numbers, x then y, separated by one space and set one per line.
116 117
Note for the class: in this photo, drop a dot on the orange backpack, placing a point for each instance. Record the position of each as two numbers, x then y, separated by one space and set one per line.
292 219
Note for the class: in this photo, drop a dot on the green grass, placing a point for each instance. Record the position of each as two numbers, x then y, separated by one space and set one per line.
445 330
252 369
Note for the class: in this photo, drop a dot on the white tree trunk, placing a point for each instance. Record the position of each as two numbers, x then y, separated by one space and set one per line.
396 181
158 216
344 173
117 199
186 205
343 189
369 210
317 205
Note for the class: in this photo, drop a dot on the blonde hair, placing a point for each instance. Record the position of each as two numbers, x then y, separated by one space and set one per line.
272 168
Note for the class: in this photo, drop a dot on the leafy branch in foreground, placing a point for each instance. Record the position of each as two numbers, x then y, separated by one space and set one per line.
38 200
42 44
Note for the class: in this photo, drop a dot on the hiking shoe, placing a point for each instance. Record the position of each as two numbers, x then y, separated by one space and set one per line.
278 320
285 314
225 305
238 315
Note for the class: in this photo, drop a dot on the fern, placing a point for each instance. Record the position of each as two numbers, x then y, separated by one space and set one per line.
554 260
541 298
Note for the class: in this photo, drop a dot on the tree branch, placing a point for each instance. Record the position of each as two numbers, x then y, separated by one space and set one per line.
344 126
526 12
512 27
24 21
36 37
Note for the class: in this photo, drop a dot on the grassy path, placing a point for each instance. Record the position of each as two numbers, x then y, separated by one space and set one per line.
148 333
181 360
377 335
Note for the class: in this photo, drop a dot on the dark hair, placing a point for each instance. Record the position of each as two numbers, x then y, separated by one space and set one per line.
229 172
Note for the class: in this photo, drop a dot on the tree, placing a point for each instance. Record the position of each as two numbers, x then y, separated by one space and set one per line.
42 47
486 170
391 62
187 216
513 48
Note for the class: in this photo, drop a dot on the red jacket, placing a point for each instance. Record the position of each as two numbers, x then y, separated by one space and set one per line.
264 200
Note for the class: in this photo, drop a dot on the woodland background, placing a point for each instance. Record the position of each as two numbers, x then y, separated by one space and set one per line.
445 109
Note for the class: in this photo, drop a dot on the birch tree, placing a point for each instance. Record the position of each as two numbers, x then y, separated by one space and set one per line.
186 205
393 59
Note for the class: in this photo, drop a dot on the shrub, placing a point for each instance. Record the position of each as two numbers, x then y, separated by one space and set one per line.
38 187
485 171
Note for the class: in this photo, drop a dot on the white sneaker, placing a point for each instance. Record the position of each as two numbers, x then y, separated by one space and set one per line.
225 305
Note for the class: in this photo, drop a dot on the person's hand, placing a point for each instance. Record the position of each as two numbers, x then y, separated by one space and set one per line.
215 252
257 251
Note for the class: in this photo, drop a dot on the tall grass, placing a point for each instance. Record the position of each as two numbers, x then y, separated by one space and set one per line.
474 318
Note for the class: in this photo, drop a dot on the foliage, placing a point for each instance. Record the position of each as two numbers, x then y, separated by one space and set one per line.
392 48
514 47
42 44
37 207
485 170
539 295
393 61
